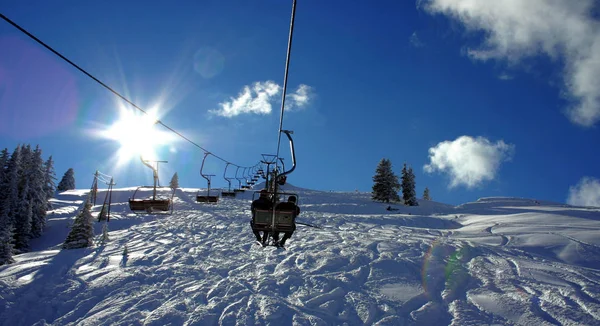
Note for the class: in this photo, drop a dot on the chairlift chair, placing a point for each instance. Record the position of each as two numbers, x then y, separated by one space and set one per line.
239 189
249 182
159 201
206 198
277 220
227 193
274 220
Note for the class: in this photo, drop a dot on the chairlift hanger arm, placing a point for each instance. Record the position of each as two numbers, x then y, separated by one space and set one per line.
148 165
293 152
205 176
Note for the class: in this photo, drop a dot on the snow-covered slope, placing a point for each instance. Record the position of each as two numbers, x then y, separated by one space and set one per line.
494 261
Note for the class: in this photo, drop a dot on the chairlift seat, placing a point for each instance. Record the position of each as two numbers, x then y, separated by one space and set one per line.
150 205
284 220
162 203
207 199
228 193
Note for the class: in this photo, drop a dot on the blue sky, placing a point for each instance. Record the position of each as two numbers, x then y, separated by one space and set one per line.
481 100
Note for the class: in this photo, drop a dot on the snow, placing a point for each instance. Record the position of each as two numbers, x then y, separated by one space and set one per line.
499 260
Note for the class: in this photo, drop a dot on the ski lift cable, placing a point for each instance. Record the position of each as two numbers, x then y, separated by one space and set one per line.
285 78
104 85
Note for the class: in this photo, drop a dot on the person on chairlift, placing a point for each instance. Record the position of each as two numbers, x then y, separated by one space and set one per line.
290 205
263 203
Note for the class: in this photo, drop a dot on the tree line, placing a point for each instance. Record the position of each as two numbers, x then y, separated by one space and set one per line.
386 185
27 183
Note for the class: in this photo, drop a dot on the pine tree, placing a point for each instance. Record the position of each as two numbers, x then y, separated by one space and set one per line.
11 189
6 223
105 237
82 231
23 219
68 181
4 157
385 183
426 194
174 184
6 235
49 178
408 187
37 193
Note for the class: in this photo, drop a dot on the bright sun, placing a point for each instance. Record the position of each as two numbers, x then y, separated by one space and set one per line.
138 136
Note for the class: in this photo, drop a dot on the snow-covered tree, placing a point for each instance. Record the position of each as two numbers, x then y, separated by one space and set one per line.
104 239
82 231
4 157
11 187
385 183
23 217
68 181
37 193
408 187
6 235
426 194
49 180
174 184
6 222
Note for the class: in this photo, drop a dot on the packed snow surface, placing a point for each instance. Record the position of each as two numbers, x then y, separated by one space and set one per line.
498 260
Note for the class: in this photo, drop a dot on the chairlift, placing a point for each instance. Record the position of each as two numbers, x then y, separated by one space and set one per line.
227 193
274 220
246 180
206 198
239 189
152 199
280 220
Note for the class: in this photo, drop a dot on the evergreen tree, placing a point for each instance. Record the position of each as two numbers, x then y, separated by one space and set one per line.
4 157
23 219
37 194
174 184
408 187
105 237
82 231
426 194
385 183
68 181
6 236
11 188
49 178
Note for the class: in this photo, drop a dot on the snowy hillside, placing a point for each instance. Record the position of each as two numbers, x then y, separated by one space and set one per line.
494 261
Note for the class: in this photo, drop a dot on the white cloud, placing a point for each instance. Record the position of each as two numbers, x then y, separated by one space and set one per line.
300 98
516 29
259 98
252 99
468 161
585 193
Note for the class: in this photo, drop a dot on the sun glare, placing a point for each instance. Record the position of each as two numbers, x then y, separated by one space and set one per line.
137 135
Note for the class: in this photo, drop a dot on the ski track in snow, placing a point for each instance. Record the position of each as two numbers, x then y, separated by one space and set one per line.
479 263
